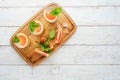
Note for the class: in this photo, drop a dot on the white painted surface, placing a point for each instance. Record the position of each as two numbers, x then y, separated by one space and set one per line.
84 35
81 15
70 55
24 3
92 53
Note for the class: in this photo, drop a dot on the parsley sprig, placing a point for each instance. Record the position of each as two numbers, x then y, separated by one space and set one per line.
16 39
56 11
33 25
45 46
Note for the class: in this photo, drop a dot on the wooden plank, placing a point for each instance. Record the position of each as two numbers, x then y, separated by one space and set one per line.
85 15
9 56
15 72
8 31
60 72
24 3
77 72
69 55
98 35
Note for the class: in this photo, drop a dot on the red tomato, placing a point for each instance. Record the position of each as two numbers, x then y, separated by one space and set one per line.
43 39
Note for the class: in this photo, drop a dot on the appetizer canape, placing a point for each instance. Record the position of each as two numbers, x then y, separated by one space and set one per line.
36 27
59 33
58 36
51 15
20 40
38 51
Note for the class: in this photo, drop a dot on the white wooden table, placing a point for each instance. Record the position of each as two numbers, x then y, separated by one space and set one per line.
92 53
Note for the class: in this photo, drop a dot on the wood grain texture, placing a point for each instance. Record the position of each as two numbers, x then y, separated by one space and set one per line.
79 72
26 3
15 72
84 35
61 72
70 55
96 51
85 15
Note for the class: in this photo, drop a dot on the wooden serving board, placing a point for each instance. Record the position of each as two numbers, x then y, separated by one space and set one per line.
28 53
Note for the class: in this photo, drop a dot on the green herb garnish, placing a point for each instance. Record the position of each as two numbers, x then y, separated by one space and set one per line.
56 11
16 39
46 43
52 33
48 50
41 46
33 25
45 46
